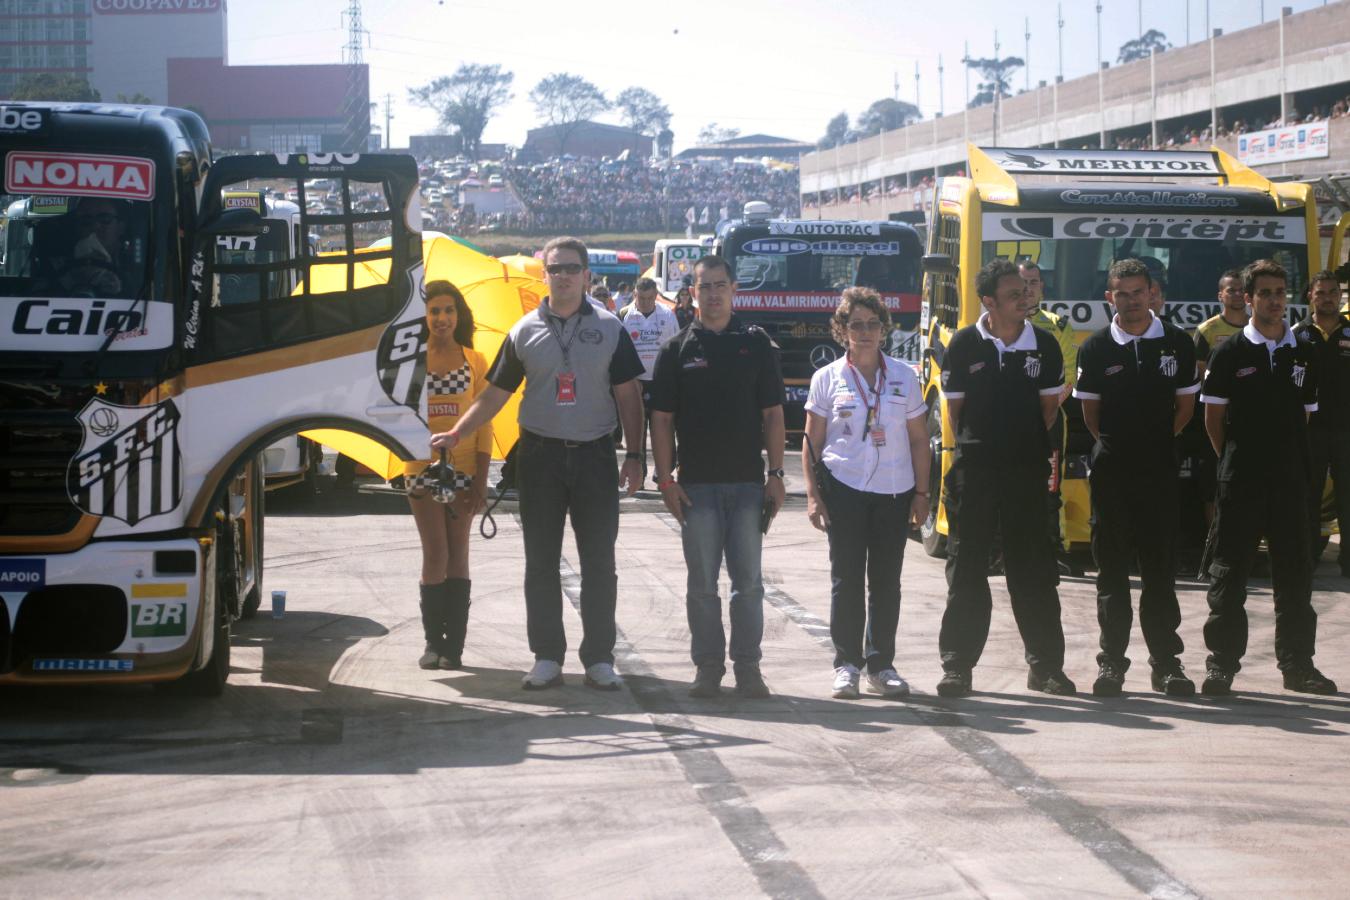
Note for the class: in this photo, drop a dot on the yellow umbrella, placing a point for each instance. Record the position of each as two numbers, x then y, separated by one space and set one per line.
530 265
497 294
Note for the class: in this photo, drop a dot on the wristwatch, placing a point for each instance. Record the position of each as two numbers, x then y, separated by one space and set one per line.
776 473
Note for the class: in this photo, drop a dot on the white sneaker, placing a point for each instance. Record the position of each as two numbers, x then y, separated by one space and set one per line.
602 677
888 683
545 674
846 683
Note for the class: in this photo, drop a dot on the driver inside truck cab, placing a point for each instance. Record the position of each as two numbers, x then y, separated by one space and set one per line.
98 256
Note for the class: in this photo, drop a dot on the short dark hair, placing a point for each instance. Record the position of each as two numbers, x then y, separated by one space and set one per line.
1127 268
463 315
645 284
1027 262
1235 274
987 279
856 298
568 243
713 261
1255 270
1322 275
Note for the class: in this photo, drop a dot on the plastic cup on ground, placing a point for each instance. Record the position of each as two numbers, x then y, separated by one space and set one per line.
278 604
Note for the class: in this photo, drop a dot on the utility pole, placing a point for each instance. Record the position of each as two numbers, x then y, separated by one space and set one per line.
998 86
965 112
1026 54
1101 86
918 102
941 105
1059 78
388 118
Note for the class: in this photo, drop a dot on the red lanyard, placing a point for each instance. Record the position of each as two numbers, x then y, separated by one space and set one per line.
873 409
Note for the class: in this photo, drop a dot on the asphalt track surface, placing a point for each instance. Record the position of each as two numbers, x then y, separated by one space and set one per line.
334 766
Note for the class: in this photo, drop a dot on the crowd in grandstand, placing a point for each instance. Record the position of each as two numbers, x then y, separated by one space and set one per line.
592 195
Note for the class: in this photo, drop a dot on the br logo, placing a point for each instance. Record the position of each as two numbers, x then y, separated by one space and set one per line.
103 422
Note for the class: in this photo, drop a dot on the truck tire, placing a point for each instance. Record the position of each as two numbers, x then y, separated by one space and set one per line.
253 599
209 681
934 541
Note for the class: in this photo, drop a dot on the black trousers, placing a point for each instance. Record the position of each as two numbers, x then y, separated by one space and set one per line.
1134 513
980 500
867 535
556 481
1329 452
1243 512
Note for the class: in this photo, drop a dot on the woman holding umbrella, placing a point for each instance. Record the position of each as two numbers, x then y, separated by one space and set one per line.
455 376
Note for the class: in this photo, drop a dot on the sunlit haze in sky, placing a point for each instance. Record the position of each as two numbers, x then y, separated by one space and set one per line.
782 68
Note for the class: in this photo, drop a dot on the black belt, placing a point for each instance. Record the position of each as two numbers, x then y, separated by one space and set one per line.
562 442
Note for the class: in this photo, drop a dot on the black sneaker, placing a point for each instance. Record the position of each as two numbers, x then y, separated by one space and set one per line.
1217 683
1110 680
1056 683
1308 681
1173 683
750 683
707 682
954 684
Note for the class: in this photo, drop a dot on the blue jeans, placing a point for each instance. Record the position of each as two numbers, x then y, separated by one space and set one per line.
724 519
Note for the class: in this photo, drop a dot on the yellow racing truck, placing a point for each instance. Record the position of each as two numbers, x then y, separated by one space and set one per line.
145 364
1189 214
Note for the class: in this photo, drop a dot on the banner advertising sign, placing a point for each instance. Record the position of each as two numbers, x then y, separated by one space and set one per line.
1311 140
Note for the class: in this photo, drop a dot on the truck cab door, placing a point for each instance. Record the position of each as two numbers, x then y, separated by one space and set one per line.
326 331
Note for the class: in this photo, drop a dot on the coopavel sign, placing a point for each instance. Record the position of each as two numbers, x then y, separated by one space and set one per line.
116 7
1311 140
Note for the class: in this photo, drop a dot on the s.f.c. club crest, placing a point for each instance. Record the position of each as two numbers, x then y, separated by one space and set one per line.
1298 375
128 466
1167 365
1032 366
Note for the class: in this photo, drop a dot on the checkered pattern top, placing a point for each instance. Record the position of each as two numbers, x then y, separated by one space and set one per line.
456 382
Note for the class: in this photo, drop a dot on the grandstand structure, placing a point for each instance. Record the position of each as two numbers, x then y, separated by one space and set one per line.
1297 66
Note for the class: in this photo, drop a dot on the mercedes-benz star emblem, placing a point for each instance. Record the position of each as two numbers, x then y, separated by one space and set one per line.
822 355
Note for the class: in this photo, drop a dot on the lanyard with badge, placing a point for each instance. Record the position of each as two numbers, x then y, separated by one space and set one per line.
565 393
873 420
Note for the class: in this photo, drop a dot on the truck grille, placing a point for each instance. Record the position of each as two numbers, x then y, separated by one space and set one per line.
39 435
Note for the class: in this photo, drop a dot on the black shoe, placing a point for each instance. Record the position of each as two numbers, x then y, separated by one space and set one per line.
1217 683
1308 681
1056 683
707 682
750 683
1110 681
954 684
1173 683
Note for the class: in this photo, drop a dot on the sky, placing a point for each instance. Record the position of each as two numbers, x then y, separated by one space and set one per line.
782 68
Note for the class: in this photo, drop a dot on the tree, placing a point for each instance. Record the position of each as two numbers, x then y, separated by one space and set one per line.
50 86
1151 41
712 133
643 111
887 114
665 142
836 130
466 100
137 98
995 73
564 101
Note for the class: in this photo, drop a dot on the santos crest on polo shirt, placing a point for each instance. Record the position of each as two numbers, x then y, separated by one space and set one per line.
1032 366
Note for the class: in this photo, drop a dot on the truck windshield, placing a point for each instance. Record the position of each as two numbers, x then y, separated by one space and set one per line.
1076 254
73 246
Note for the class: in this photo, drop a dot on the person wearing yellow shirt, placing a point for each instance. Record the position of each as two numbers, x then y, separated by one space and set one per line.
456 374
1063 333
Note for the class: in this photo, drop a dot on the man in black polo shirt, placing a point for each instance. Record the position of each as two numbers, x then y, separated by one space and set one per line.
1137 384
718 390
1327 331
1259 388
1001 380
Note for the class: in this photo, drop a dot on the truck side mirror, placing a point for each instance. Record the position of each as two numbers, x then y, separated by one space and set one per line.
232 221
939 264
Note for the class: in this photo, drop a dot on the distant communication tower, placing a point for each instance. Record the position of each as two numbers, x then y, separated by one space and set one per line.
356 106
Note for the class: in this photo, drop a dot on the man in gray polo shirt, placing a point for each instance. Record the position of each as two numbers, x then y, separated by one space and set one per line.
578 363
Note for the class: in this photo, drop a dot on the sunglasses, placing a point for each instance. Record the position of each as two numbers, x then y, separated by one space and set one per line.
564 269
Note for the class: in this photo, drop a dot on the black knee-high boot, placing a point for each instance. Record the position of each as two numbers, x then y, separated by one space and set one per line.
434 609
456 621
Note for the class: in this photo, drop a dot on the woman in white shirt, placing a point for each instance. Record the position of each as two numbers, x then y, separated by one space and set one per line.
865 418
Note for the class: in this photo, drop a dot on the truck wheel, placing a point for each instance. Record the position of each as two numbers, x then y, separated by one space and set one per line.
934 541
209 681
